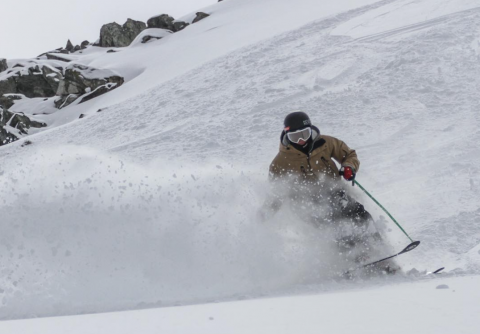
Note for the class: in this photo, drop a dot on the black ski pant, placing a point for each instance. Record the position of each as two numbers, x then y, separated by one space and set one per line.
345 207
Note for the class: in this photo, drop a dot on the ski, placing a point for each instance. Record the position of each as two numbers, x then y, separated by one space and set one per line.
436 271
409 248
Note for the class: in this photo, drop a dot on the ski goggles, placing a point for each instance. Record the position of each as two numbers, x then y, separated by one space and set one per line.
298 135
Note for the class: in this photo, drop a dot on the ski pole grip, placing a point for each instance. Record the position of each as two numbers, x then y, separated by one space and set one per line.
342 173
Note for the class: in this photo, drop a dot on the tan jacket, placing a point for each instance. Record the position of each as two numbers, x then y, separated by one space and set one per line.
311 168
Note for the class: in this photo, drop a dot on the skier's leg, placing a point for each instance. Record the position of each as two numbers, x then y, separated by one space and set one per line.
362 241
371 239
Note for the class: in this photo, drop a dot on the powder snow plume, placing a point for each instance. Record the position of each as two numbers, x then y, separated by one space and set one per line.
99 233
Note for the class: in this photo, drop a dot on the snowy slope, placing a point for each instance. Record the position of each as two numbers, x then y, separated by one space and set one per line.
232 25
151 202
430 306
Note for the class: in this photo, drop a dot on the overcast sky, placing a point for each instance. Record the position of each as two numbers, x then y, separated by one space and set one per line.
31 27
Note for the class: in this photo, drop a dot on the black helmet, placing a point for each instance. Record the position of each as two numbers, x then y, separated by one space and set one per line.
296 120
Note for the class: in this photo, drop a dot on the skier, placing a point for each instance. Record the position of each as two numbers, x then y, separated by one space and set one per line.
304 172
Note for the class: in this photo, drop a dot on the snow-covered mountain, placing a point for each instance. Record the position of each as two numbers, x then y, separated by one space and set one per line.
151 202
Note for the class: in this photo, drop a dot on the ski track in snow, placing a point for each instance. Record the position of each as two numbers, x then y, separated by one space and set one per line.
407 100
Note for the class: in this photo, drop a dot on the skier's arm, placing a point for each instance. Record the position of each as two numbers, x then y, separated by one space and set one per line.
344 155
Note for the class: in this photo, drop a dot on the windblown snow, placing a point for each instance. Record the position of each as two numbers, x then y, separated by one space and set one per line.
152 201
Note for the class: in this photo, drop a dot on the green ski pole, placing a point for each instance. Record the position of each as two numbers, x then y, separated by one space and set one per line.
381 206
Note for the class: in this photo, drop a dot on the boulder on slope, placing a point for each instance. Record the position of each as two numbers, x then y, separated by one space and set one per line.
15 125
200 16
163 21
115 35
82 81
84 44
32 81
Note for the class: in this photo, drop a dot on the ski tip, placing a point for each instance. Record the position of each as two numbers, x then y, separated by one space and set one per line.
438 270
412 246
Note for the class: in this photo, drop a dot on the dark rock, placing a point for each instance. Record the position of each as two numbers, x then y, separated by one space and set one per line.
55 57
69 46
134 27
6 102
77 48
147 38
84 44
34 81
163 21
115 35
34 85
23 123
75 81
8 86
56 51
112 35
200 16
5 136
111 51
150 34
53 76
3 65
83 80
16 121
64 101
179 25
99 91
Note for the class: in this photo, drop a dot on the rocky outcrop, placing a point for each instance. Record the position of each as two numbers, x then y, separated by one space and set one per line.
200 16
55 56
78 78
179 25
53 76
32 82
8 86
167 22
15 125
69 46
151 34
64 101
84 81
99 91
3 65
163 21
7 101
84 44
115 35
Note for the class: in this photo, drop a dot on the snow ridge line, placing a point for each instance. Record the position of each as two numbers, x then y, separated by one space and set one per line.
417 26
